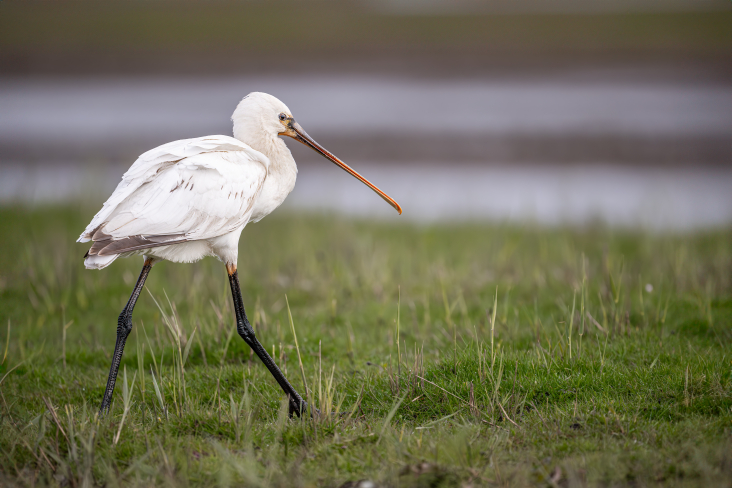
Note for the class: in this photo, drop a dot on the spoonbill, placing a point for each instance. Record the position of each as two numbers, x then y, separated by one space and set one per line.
192 198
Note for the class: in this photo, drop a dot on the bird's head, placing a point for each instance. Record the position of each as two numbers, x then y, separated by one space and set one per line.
261 114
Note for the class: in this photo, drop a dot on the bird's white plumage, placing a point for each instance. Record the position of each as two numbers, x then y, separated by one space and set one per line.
146 193
192 198
193 192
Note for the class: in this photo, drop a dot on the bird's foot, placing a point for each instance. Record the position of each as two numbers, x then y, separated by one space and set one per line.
103 411
297 410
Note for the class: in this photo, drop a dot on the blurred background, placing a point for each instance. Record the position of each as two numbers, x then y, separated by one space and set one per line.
556 112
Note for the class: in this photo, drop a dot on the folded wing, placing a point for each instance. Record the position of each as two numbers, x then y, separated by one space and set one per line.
181 191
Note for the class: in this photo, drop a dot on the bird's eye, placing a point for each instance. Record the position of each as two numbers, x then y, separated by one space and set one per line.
283 116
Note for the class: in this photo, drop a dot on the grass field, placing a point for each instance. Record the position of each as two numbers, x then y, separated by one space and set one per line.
446 355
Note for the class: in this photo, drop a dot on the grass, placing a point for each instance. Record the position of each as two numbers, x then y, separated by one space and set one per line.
450 355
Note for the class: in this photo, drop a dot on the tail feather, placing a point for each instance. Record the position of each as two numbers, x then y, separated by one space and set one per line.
98 262
104 250
134 243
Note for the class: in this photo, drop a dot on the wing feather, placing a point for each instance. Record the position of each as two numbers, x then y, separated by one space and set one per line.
182 191
150 165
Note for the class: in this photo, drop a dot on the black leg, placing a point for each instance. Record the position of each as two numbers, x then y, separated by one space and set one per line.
124 327
297 404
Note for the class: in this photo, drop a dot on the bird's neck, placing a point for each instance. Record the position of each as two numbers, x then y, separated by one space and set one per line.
280 157
281 174
282 165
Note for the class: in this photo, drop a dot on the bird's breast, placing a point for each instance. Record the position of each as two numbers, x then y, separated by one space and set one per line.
277 185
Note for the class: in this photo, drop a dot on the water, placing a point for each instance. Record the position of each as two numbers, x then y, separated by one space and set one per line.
88 111
636 197
94 116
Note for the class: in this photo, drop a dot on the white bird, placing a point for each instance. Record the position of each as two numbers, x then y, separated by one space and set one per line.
192 198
